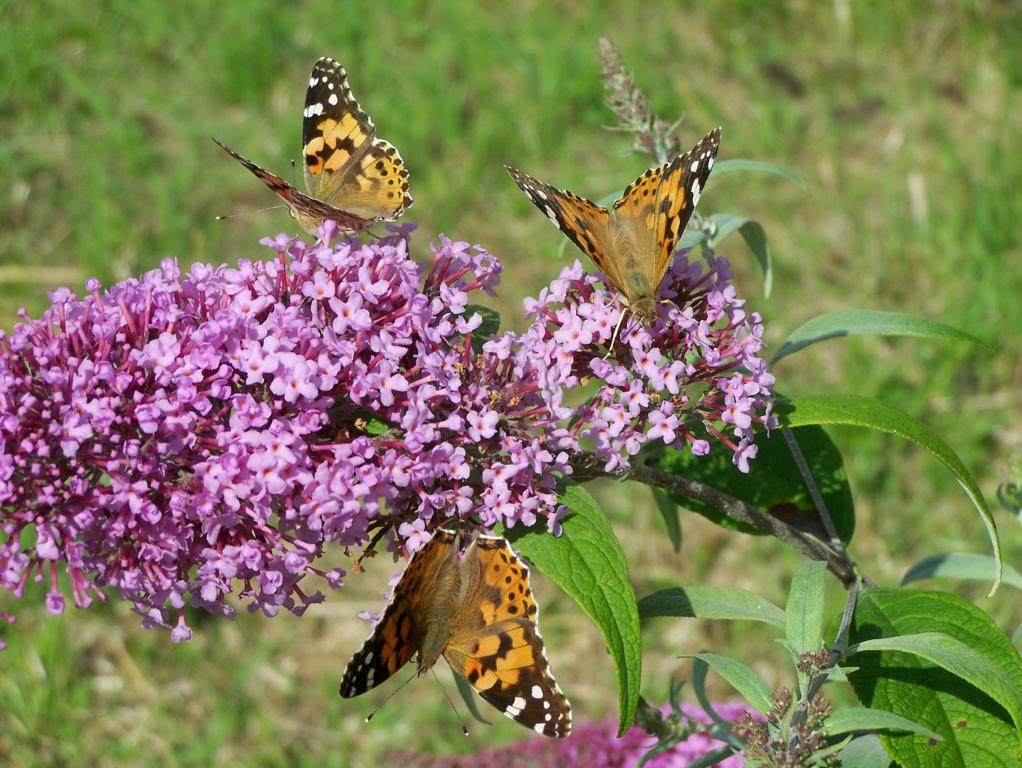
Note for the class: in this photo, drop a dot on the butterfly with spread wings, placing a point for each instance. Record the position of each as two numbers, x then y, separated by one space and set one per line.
478 612
633 242
352 177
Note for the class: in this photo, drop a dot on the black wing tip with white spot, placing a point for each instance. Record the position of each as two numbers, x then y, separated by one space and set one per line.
329 93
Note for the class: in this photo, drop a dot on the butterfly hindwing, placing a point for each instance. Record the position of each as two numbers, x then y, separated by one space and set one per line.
496 645
397 636
378 188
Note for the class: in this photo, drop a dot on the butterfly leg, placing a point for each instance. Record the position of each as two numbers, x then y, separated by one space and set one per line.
614 336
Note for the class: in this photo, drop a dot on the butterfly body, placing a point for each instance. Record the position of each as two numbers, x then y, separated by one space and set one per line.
633 242
352 177
439 614
477 612
630 245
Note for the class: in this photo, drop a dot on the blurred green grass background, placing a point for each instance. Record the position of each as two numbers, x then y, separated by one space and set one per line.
904 118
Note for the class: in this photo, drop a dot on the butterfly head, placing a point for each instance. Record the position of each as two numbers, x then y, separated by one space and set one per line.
644 310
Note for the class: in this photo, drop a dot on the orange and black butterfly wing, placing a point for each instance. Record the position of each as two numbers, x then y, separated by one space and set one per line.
345 165
664 198
581 220
495 643
397 636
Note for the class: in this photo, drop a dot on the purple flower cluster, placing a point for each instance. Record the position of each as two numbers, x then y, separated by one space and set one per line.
593 745
695 374
186 437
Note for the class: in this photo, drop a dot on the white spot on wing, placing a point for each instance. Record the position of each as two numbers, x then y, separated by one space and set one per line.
694 167
333 99
709 165
539 727
518 703
696 192
537 692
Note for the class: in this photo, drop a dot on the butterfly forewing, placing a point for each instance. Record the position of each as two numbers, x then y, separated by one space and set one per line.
495 643
581 220
335 130
680 189
397 636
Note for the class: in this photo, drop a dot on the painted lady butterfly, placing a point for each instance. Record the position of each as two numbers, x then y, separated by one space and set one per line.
352 178
633 243
476 611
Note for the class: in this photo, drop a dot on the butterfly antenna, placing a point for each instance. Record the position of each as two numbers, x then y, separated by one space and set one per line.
464 728
390 696
294 173
245 213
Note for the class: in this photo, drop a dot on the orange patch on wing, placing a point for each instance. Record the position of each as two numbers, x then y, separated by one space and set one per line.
517 658
488 646
508 677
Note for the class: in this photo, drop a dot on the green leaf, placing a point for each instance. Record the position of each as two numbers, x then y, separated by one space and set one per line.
489 327
839 674
468 696
856 322
750 685
731 166
690 238
754 236
711 603
819 755
961 565
669 512
773 482
972 698
699 672
586 561
852 719
854 410
958 658
376 427
864 752
804 609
